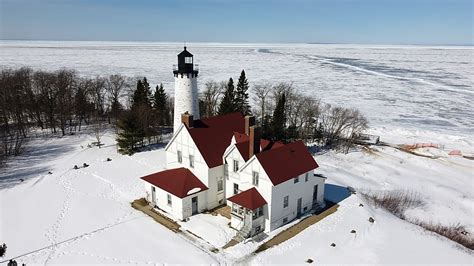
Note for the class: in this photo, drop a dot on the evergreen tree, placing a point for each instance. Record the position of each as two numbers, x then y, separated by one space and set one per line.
141 96
141 109
129 133
159 105
227 104
279 119
241 95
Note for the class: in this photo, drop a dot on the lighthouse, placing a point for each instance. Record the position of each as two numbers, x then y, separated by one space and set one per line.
185 88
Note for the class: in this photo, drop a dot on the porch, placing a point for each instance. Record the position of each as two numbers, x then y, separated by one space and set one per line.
248 213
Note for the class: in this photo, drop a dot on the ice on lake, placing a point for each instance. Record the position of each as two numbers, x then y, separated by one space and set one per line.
412 87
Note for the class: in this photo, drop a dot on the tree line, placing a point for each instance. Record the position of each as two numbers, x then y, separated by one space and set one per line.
62 102
284 114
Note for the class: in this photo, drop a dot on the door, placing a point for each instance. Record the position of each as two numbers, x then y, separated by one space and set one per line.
298 206
153 195
194 204
315 195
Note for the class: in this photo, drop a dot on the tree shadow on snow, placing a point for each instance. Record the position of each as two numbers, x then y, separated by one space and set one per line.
335 193
31 164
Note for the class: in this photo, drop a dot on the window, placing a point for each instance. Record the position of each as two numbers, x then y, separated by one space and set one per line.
236 165
306 177
236 189
297 179
191 161
257 213
169 199
255 178
180 157
285 201
258 229
220 185
153 188
188 60
285 220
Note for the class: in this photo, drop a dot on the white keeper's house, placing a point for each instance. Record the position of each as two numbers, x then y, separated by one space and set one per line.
222 160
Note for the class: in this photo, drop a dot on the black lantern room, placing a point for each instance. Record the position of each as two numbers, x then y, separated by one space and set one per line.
185 64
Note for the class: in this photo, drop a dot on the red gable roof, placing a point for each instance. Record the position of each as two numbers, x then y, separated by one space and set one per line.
178 181
265 145
286 162
214 134
239 137
249 199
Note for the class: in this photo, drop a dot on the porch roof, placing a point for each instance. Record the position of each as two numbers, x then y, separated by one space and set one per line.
180 182
250 199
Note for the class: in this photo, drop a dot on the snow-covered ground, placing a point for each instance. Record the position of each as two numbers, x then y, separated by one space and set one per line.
84 216
410 94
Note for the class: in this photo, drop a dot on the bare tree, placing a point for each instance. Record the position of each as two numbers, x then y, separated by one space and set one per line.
115 86
64 82
210 98
260 95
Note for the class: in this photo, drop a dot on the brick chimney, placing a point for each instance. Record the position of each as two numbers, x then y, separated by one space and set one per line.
187 119
249 121
254 140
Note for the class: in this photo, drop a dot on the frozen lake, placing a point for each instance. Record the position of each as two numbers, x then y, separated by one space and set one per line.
409 87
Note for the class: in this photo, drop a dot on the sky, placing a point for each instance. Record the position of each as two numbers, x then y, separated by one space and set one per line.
291 21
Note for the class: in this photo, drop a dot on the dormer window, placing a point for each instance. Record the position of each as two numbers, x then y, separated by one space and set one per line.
188 60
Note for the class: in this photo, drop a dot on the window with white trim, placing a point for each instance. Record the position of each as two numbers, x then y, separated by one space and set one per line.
255 178
285 201
169 199
306 177
236 165
180 157
296 179
191 161
220 185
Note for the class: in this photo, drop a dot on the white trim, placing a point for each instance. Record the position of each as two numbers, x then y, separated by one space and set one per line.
247 163
228 152
174 136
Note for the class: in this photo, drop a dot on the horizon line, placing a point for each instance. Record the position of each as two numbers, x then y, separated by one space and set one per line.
243 42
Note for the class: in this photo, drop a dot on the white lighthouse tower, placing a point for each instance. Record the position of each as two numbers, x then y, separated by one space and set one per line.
185 88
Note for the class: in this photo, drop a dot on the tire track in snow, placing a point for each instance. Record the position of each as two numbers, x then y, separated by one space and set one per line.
32 255
108 259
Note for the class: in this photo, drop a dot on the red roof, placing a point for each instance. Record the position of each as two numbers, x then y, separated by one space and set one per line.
214 134
286 162
243 146
249 199
239 137
178 181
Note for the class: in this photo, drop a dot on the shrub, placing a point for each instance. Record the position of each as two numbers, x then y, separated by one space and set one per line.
456 233
396 202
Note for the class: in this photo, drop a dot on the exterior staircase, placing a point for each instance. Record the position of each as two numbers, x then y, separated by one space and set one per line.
246 229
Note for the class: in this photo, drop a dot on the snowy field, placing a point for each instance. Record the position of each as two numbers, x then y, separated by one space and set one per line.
84 216
409 94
